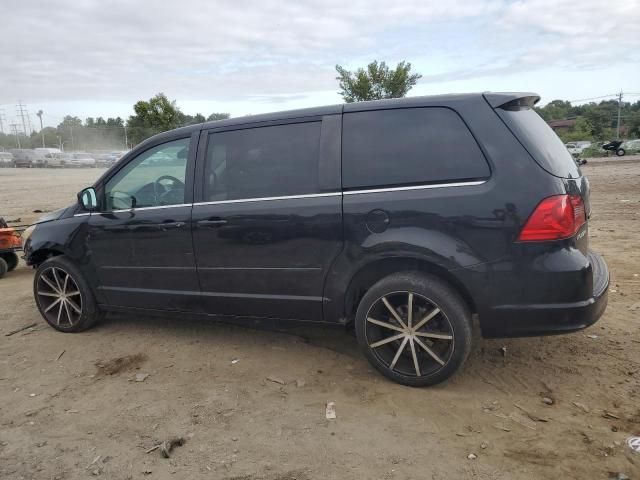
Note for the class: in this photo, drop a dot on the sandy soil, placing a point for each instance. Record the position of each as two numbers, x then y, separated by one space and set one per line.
70 410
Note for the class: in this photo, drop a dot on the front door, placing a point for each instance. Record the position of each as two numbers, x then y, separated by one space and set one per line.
141 240
268 222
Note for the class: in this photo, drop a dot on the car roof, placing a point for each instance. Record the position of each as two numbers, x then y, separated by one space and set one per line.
495 99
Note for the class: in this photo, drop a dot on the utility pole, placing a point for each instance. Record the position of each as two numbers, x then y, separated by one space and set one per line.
21 110
1 120
619 109
41 129
73 147
14 127
126 141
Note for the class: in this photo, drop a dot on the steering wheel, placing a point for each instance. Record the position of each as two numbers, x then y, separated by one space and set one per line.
169 193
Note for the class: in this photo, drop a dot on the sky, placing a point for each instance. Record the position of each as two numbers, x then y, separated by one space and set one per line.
98 57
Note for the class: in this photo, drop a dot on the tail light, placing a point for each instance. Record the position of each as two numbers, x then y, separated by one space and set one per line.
555 218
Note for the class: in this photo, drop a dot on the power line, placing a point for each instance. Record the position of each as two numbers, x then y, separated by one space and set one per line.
593 98
14 127
21 110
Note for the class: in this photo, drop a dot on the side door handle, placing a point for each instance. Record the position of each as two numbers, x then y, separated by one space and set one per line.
171 225
211 223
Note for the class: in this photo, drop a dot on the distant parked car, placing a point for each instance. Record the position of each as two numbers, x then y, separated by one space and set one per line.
576 148
48 151
107 159
631 145
6 159
81 159
26 158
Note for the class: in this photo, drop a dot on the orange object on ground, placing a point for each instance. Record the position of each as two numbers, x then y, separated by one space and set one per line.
10 239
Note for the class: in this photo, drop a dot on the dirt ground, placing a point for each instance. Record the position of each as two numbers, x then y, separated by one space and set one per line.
69 409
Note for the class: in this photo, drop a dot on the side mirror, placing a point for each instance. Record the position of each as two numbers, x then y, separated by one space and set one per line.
88 200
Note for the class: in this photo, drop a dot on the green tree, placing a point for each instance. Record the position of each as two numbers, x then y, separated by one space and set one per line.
156 115
192 119
218 116
70 122
376 82
633 123
556 110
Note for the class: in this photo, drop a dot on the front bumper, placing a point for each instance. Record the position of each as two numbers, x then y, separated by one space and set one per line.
551 318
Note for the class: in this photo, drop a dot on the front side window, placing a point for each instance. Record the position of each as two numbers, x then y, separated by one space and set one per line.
154 178
273 161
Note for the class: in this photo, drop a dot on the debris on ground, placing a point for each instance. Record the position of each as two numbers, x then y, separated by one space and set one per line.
607 414
60 355
491 407
472 456
274 379
167 445
581 406
141 377
484 445
529 414
120 364
20 329
618 476
234 361
592 336
330 411
547 400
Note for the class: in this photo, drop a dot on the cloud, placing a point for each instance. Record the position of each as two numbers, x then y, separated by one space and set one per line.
272 52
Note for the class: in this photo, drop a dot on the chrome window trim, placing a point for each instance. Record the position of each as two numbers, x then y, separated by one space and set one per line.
293 197
269 199
156 207
415 187
85 214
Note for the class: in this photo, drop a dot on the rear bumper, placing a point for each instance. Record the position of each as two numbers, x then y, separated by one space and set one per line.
551 318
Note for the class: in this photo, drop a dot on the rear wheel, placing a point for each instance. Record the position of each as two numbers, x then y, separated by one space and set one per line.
414 329
3 267
12 260
63 296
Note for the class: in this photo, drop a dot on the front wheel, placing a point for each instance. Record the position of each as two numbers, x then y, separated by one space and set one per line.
620 152
414 329
63 296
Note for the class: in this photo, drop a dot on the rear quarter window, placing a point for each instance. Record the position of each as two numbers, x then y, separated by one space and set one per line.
540 141
409 146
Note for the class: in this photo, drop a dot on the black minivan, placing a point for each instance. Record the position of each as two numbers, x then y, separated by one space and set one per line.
401 218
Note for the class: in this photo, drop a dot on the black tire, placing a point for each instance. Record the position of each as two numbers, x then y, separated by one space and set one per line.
12 260
80 312
620 152
452 316
3 267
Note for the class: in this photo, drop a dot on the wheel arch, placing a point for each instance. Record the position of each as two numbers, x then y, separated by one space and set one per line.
369 274
38 256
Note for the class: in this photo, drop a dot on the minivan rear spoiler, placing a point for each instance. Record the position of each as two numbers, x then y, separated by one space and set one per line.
511 100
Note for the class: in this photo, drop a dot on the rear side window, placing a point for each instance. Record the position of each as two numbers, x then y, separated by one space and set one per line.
540 141
408 146
261 162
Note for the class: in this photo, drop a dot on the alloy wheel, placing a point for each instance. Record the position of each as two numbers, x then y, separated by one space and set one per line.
59 297
409 334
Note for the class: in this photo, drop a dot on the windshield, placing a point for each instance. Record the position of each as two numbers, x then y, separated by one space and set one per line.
540 141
